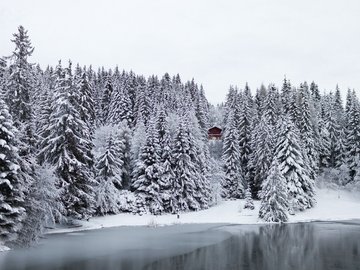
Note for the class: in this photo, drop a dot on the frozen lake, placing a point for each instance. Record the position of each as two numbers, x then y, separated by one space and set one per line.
317 245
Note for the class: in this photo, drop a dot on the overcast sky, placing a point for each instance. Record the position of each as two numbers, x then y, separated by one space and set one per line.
217 42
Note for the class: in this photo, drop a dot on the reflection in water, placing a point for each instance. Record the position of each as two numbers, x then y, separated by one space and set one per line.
277 247
307 246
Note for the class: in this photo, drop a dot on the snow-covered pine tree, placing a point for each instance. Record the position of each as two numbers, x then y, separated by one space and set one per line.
315 93
43 207
86 101
129 90
201 159
306 124
245 119
20 90
12 195
166 159
108 176
138 140
286 93
143 103
271 105
323 144
146 183
202 110
263 143
124 137
294 111
231 102
293 167
232 186
120 108
153 88
106 98
352 132
274 196
22 96
349 98
335 141
338 106
3 75
260 97
68 148
186 189
249 203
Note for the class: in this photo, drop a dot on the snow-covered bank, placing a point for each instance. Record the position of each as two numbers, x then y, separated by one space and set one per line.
4 248
331 205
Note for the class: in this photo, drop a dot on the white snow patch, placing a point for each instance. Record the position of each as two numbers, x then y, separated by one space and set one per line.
4 248
331 205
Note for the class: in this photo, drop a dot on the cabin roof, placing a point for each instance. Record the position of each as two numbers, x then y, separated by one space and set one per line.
214 130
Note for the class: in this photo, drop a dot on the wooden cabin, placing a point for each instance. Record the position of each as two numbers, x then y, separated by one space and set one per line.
214 133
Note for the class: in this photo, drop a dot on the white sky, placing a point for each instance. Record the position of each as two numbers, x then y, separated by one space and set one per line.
218 43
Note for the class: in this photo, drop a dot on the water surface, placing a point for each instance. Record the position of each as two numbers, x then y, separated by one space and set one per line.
318 245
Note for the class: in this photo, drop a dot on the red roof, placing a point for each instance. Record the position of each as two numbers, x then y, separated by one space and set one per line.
214 131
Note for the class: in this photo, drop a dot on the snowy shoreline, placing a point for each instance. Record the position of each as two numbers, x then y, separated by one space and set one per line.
332 205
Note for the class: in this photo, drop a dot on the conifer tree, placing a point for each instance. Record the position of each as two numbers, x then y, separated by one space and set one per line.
233 181
186 189
263 143
271 105
244 128
166 159
307 130
12 194
249 203
86 101
293 167
124 137
338 106
286 93
20 90
143 103
147 174
109 171
68 148
314 91
120 108
3 75
43 207
274 196
106 99
352 145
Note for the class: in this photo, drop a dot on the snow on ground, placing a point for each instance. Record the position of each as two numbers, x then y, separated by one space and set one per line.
3 248
331 205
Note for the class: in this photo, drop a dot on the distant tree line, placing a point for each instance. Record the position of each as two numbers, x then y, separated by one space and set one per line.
278 142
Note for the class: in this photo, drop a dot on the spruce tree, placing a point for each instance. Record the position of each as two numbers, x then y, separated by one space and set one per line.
274 196
293 166
306 125
106 98
186 189
12 194
352 132
43 207
249 203
233 181
68 148
3 75
244 128
20 91
146 183
86 101
263 143
109 171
